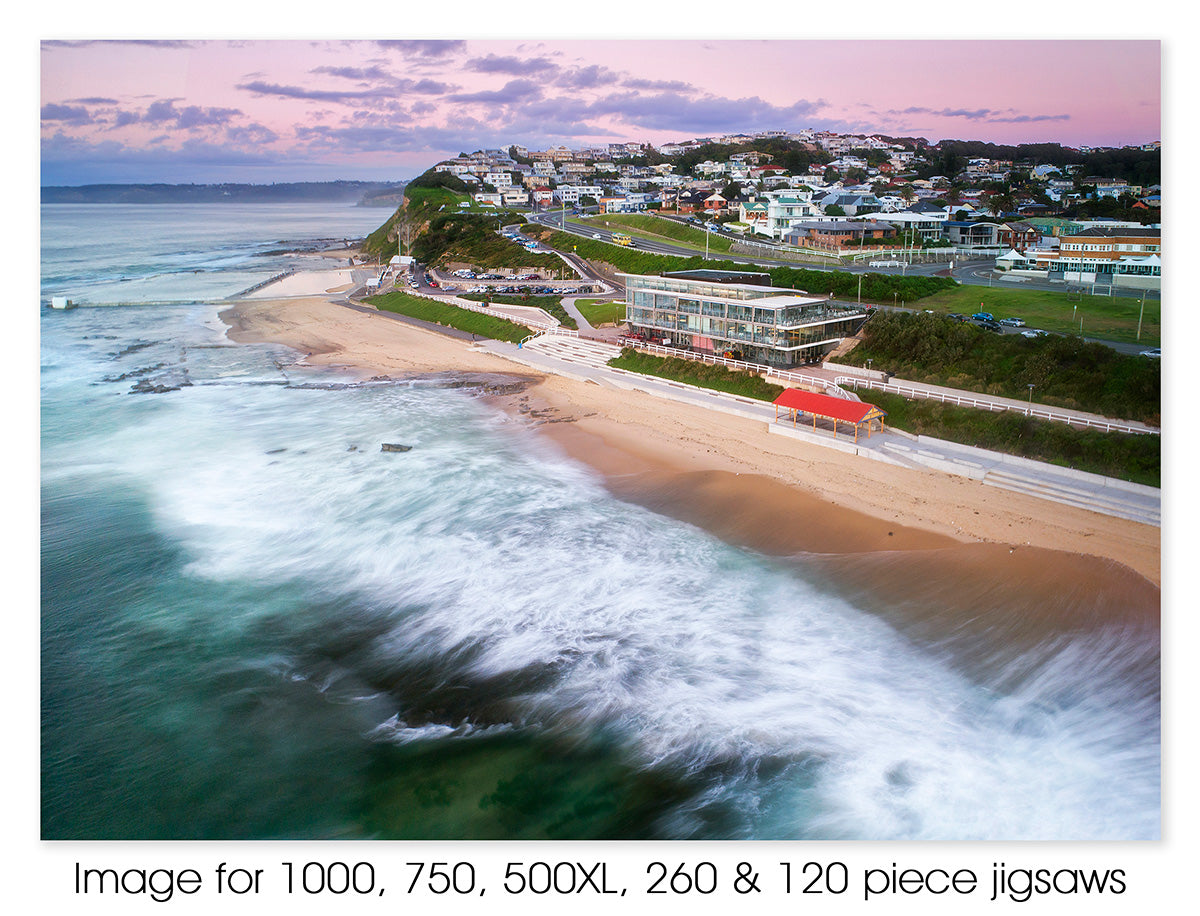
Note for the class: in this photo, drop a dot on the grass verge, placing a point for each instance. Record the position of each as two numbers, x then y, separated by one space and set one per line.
1105 317
1126 456
702 375
448 316
550 304
601 311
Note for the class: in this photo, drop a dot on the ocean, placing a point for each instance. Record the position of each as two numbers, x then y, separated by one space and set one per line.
258 624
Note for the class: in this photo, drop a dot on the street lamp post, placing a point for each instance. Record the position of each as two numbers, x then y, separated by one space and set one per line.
1029 409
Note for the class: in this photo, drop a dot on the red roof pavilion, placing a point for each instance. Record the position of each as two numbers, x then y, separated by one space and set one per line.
829 408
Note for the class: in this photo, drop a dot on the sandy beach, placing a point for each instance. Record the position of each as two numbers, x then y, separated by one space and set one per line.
730 476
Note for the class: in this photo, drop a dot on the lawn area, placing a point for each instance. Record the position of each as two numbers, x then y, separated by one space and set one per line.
693 372
449 316
551 304
601 311
1121 455
1106 317
1065 371
657 228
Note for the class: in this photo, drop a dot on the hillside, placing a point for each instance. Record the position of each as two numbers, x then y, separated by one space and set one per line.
439 223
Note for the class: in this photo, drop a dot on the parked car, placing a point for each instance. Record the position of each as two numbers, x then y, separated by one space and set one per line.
1012 322
990 326
1155 353
983 316
1033 332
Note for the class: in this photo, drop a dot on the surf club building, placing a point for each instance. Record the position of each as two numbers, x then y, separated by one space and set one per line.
737 315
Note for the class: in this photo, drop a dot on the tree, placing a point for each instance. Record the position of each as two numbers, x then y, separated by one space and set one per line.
731 190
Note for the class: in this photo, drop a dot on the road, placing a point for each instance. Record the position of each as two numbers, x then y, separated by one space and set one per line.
973 273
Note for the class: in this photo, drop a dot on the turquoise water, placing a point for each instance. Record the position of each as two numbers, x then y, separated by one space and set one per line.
255 623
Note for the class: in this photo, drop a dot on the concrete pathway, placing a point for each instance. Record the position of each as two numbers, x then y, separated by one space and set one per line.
586 360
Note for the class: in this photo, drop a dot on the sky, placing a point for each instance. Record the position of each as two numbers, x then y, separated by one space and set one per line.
315 110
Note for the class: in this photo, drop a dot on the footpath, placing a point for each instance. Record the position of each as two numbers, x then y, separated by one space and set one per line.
586 360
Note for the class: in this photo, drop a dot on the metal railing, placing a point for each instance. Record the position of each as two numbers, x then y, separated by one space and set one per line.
786 374
1034 410
837 387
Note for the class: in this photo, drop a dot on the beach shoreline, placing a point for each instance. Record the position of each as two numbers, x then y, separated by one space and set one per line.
728 475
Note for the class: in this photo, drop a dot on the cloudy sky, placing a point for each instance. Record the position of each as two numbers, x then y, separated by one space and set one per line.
291 110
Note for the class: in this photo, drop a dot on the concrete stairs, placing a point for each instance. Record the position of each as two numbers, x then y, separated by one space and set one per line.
574 349
1098 499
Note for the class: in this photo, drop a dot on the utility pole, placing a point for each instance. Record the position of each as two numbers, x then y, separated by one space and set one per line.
1141 312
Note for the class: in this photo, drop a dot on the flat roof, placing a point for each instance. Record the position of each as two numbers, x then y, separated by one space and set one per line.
749 277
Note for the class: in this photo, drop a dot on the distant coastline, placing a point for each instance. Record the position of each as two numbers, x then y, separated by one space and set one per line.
363 193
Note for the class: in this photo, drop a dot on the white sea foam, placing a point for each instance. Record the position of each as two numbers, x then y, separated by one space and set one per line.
481 546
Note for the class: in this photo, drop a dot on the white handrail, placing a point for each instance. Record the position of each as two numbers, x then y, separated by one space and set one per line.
908 391
902 390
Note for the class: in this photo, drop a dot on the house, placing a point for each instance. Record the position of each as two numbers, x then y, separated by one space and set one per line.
832 235
515 197
851 204
971 233
754 214
914 228
1018 236
690 201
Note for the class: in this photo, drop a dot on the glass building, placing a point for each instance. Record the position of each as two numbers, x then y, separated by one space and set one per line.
738 315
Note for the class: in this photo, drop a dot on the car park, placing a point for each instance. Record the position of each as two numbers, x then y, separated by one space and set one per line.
1012 322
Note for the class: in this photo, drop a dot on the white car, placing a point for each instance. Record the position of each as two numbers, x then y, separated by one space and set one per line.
1155 353
1033 333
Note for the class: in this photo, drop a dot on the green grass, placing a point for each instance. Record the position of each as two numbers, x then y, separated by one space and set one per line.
449 316
657 228
693 372
601 311
843 284
1112 318
1125 456
1065 371
550 304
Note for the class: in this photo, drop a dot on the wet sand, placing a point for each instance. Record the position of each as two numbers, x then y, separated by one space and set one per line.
916 541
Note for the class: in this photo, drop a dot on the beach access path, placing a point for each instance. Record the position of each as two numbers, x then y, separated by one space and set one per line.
586 360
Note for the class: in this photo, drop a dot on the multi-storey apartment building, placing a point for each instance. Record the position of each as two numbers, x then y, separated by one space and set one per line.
736 314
